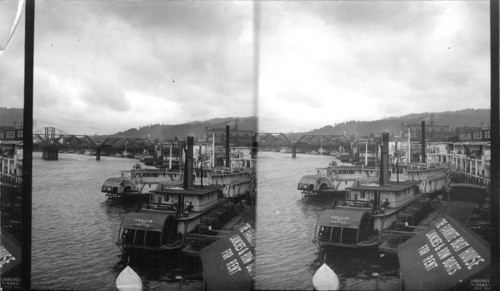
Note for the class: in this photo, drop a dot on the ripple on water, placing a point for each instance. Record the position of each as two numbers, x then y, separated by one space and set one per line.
74 227
286 256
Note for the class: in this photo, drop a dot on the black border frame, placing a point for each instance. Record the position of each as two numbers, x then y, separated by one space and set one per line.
27 144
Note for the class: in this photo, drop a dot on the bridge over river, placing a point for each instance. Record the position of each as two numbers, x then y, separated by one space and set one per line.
307 142
51 141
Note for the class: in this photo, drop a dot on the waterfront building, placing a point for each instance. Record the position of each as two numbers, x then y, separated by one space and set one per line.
237 137
433 132
470 156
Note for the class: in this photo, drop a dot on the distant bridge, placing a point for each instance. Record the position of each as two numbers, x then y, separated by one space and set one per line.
52 137
265 139
307 142
324 141
51 140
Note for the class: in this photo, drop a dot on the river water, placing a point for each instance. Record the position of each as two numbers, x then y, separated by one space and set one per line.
286 257
75 227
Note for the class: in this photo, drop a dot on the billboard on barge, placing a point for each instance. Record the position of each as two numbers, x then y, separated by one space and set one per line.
444 256
228 263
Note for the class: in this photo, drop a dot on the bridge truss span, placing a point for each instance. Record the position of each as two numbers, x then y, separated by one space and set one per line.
265 139
323 140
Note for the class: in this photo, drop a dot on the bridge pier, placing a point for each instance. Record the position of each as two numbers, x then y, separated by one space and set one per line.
50 153
294 151
98 154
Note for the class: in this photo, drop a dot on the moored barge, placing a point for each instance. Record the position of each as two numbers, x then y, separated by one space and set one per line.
174 209
358 221
236 178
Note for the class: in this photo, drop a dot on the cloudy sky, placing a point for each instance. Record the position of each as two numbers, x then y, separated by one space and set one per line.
327 62
106 66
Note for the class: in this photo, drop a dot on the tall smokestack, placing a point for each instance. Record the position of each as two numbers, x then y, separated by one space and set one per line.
409 145
228 164
188 169
366 153
423 142
384 163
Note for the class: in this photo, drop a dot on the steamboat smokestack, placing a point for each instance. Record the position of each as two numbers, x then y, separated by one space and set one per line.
188 168
228 164
384 163
423 142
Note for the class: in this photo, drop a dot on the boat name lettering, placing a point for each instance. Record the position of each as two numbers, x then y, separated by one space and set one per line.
142 221
233 267
339 219
5 256
446 243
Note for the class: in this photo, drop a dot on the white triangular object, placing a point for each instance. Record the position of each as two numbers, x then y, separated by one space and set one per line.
325 279
128 280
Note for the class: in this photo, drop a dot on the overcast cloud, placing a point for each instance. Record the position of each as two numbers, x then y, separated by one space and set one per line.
106 66
328 62
102 67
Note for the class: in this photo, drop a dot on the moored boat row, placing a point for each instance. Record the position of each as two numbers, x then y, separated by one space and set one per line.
359 221
175 203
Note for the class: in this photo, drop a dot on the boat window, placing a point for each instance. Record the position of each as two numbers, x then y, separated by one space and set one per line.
349 235
153 238
128 236
336 233
324 233
363 228
139 237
